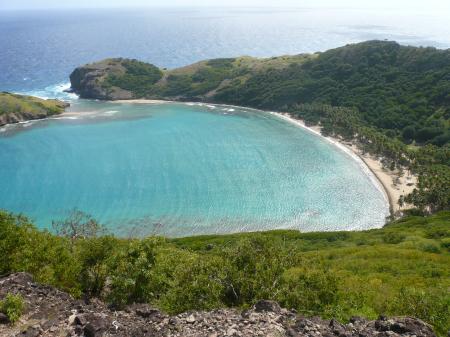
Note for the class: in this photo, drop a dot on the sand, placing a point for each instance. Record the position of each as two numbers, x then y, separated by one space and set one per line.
141 101
393 186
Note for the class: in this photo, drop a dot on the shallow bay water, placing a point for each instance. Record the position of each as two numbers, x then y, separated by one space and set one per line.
184 169
180 169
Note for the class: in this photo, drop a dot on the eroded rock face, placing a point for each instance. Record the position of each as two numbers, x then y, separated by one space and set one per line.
50 312
88 81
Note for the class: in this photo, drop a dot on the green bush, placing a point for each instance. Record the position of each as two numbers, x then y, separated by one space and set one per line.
446 243
431 248
309 291
130 272
432 305
337 275
393 237
13 307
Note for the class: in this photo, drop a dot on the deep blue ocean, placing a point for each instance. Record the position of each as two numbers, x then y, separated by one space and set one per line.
39 49
182 169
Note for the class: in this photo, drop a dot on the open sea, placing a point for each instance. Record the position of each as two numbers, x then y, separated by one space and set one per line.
180 169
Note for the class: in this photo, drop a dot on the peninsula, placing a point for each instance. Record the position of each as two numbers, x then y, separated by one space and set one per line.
16 108
389 103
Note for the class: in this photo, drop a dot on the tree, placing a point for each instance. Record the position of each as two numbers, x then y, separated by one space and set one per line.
78 225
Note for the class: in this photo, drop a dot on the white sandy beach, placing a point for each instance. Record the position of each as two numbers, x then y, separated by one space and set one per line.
391 184
142 101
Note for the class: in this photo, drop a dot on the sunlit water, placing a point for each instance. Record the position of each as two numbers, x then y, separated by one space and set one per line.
182 169
39 49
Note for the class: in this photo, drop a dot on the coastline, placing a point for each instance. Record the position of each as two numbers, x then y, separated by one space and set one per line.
388 182
383 178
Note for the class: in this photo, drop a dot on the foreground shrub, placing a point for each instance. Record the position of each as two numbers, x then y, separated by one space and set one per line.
309 291
393 272
12 306
130 272
431 305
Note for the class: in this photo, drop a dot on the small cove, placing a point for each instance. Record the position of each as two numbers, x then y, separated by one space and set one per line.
179 169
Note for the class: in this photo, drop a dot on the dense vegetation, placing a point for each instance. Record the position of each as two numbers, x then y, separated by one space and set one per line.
139 77
17 107
401 269
393 100
404 91
431 163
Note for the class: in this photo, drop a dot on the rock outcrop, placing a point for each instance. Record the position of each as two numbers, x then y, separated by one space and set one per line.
88 81
50 312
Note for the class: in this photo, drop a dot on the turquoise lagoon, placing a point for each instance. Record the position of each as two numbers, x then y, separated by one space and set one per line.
183 169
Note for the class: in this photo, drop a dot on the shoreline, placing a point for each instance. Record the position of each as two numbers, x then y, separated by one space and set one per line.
382 178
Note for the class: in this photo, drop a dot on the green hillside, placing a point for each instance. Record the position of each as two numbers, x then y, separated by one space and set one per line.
404 91
15 108
401 269
393 101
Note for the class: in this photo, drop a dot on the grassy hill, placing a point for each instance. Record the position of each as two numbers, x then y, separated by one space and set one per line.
401 269
404 91
15 108
393 101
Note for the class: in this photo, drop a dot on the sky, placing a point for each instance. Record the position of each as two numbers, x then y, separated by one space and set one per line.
406 4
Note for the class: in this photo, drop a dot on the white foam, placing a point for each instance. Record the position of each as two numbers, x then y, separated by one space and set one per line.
54 91
65 117
111 112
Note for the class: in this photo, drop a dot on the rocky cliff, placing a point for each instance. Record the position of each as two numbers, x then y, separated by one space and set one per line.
50 312
89 81
19 108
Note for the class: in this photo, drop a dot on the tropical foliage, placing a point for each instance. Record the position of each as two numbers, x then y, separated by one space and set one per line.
12 306
137 77
17 104
393 100
332 274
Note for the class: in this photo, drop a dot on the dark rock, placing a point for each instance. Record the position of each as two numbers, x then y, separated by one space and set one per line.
382 318
143 310
78 330
55 309
80 320
21 278
411 326
87 81
90 331
31 332
269 306
3 318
